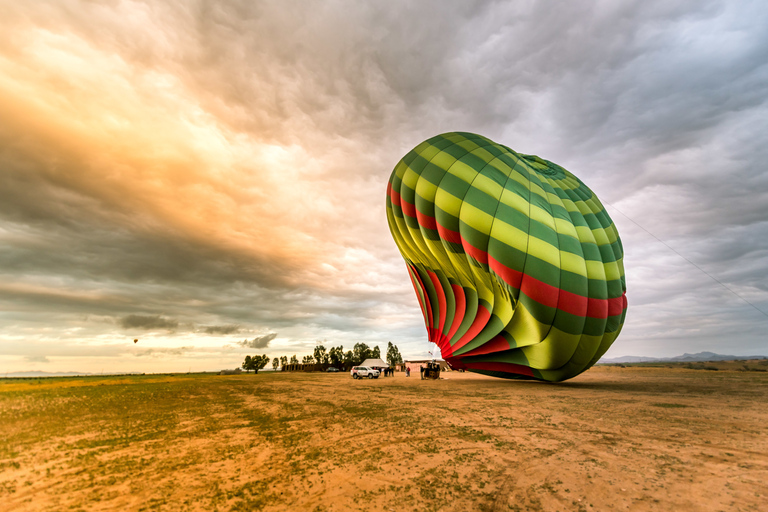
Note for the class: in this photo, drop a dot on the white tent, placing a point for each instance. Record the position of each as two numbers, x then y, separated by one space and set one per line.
375 363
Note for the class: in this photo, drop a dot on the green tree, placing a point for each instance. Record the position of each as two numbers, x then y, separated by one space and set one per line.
360 352
259 362
336 355
283 360
321 356
294 360
393 354
376 353
247 364
308 360
275 363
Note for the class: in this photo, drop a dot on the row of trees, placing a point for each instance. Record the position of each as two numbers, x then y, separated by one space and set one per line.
335 356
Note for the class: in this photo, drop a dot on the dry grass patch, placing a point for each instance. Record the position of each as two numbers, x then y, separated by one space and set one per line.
647 438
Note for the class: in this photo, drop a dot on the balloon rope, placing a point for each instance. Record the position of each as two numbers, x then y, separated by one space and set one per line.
689 261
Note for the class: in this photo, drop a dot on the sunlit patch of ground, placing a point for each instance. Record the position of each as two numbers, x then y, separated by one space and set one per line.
637 438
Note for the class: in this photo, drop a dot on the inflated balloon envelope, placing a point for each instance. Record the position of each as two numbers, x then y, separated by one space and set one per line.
516 264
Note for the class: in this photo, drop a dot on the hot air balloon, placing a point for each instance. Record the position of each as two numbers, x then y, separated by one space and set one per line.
135 341
516 265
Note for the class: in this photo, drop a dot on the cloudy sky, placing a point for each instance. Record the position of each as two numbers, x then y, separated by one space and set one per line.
209 177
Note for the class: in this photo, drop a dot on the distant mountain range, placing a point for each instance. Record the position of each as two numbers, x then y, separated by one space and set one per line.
701 356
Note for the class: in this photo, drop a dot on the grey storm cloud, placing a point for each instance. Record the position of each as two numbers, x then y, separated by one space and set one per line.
155 352
259 341
274 219
148 322
222 329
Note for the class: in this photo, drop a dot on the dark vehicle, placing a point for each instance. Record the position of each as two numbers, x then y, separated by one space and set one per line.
431 371
332 369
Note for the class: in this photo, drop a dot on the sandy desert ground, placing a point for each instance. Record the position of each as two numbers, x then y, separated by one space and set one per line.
634 438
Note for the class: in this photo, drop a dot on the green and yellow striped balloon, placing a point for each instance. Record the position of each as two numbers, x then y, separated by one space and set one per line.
516 264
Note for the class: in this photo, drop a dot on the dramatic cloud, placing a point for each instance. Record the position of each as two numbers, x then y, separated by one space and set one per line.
259 341
155 352
225 163
148 322
222 329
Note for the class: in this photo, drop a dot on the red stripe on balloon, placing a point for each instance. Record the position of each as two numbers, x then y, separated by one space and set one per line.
437 335
501 367
555 297
572 303
425 220
480 321
510 276
617 305
394 194
479 254
497 344
461 308
441 300
442 342
408 208
454 362
543 293
597 308
539 291
448 235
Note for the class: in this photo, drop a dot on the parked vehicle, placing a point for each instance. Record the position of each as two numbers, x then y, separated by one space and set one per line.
360 372
332 369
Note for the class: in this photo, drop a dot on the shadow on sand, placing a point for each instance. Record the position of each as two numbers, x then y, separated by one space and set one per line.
622 386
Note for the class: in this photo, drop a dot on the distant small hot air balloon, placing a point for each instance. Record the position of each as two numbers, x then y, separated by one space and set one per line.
135 341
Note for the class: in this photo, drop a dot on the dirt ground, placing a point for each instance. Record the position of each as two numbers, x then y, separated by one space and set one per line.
634 438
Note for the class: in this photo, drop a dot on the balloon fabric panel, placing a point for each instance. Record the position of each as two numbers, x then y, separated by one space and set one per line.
517 267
